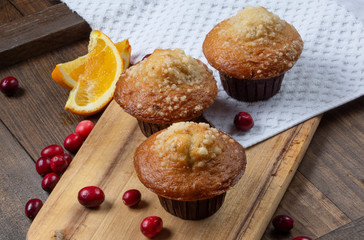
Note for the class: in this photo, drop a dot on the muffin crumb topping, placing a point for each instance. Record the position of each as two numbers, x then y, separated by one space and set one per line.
171 68
167 86
255 25
192 144
189 161
253 44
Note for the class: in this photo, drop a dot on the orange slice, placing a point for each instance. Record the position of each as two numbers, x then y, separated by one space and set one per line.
124 49
95 86
67 74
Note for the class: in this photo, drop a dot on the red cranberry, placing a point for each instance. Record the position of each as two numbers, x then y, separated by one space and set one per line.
43 165
151 226
32 207
73 142
91 196
131 198
51 150
146 56
67 157
283 223
302 238
84 128
50 181
58 164
243 121
9 85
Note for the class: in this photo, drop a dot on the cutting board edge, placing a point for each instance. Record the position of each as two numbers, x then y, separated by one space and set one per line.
287 180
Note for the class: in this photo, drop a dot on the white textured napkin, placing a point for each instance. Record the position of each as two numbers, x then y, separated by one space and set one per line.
330 71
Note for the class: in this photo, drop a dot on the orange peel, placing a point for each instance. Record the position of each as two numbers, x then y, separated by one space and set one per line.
95 82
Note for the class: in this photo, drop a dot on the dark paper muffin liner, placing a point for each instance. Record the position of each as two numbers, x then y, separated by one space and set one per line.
148 128
248 90
192 210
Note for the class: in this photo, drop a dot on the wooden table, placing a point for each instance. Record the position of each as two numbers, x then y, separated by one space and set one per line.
325 197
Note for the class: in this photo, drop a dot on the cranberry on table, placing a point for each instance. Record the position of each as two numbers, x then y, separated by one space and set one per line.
43 165
131 198
52 150
283 223
9 85
50 181
151 226
243 121
67 157
59 164
84 128
32 207
91 196
302 238
73 142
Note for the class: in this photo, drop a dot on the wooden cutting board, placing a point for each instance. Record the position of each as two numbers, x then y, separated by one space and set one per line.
106 160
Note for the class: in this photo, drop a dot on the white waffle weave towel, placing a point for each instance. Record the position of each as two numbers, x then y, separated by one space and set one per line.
330 71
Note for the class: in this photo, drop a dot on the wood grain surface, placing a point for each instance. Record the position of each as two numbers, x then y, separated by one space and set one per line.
327 192
325 196
353 230
106 160
39 32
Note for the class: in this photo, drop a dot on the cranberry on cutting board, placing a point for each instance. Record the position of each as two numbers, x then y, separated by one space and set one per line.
151 226
131 198
91 196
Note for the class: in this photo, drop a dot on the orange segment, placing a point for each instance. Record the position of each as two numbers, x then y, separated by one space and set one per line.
125 52
67 74
96 84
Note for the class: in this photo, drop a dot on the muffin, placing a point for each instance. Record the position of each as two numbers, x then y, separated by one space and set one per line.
190 166
252 51
165 88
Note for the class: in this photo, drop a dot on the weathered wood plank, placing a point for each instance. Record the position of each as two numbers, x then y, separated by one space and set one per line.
335 163
314 214
40 32
352 231
29 7
8 12
19 182
35 115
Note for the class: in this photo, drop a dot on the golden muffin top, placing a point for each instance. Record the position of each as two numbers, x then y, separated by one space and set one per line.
189 161
166 87
254 44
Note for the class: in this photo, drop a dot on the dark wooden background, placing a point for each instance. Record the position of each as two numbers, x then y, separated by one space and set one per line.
325 198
